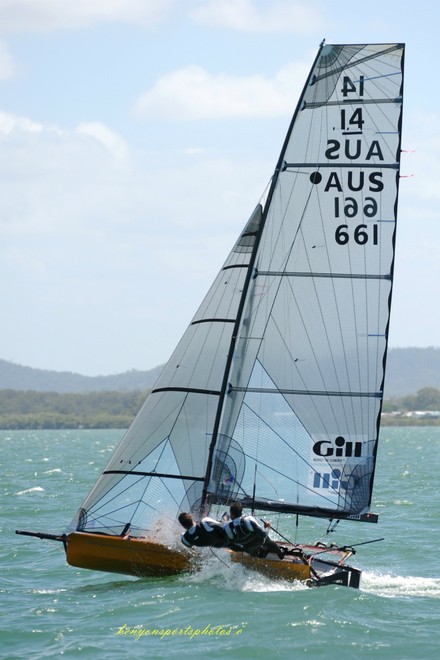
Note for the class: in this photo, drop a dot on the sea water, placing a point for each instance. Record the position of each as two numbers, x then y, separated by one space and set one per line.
49 609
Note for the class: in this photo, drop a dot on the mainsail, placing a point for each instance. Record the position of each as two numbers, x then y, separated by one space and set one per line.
273 395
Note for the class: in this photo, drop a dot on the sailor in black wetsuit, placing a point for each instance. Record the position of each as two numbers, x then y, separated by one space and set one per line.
244 533
207 532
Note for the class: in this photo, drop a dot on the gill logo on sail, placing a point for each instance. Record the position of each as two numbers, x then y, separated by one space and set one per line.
341 449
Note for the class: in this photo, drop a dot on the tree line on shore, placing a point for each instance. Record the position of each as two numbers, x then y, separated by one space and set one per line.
53 410
97 410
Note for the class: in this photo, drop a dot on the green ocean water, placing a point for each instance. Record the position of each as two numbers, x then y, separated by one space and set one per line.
49 609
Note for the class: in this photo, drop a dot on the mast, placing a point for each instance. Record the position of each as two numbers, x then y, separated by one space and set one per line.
248 279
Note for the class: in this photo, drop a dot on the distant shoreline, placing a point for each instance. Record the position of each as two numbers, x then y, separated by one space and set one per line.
119 422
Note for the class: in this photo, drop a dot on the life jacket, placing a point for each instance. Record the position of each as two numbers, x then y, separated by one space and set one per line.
245 531
206 532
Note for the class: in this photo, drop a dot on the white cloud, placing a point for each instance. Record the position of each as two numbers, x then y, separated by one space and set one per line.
6 62
194 93
46 15
106 137
92 244
252 16
10 123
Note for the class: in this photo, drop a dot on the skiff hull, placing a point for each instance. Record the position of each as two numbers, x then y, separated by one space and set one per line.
143 558
128 556
315 567
287 569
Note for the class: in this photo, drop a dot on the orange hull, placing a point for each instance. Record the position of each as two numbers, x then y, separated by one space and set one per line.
142 558
290 568
129 556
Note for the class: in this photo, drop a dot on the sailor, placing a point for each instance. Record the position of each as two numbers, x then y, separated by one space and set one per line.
245 534
207 532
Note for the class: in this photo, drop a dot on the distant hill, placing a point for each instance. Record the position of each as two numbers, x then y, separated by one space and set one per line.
16 377
411 369
408 371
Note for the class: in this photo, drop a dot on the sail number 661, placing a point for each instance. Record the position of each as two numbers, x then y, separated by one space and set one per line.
350 209
360 234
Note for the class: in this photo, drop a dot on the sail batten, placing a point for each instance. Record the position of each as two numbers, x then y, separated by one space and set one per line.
316 165
188 390
360 102
155 474
370 276
267 390
280 373
213 320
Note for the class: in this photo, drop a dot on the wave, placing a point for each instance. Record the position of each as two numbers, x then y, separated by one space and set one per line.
392 586
231 576
217 569
36 489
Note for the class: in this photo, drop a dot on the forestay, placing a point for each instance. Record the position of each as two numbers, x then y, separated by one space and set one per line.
273 395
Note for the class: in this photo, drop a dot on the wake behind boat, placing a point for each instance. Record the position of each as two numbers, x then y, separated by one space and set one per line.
273 396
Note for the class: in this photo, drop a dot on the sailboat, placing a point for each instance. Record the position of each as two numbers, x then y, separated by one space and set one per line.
273 396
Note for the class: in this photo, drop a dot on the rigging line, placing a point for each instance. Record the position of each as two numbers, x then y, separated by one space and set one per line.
355 545
269 482
281 535
383 75
331 527
221 561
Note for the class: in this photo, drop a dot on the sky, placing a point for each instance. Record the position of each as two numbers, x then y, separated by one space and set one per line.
136 137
